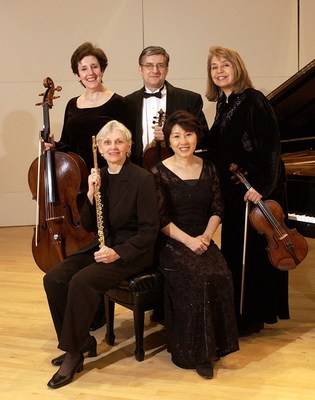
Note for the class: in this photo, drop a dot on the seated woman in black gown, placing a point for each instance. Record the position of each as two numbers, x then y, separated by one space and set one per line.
199 308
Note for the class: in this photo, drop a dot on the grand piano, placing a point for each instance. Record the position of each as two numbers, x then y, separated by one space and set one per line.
294 105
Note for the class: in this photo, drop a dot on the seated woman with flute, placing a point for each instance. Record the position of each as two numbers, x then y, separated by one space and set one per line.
124 246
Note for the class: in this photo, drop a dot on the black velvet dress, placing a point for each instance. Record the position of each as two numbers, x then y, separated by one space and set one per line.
245 132
199 308
80 124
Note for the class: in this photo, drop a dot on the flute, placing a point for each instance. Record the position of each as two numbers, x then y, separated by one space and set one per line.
98 201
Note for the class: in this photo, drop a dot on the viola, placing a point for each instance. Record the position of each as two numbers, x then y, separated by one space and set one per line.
159 152
286 247
58 183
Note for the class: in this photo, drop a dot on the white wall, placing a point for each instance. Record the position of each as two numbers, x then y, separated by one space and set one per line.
37 39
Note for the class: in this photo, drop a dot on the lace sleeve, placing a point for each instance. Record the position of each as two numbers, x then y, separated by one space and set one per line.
216 206
163 213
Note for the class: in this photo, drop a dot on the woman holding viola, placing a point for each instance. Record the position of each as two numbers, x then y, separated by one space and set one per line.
245 133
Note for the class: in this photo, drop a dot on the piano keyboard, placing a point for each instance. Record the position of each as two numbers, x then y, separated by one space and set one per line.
304 224
301 218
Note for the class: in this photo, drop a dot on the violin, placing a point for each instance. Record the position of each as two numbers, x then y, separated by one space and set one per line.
157 153
58 182
286 247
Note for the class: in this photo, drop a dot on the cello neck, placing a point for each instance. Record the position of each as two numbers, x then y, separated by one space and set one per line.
47 103
46 124
49 159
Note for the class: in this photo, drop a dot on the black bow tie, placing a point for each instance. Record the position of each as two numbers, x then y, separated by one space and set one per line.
158 94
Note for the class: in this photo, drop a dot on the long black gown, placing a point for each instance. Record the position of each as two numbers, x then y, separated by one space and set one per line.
199 307
245 132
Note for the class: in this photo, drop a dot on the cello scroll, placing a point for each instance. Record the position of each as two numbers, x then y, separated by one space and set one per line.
49 94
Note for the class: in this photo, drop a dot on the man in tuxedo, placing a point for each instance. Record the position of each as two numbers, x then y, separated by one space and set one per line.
144 106
158 94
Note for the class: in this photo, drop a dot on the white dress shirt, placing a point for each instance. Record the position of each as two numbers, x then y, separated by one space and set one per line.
150 108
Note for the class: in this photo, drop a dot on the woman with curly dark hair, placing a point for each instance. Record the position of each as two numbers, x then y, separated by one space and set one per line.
86 114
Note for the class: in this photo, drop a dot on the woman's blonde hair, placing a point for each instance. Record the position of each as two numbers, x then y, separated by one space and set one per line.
241 78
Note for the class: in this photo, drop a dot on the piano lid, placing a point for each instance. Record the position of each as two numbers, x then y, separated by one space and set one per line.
294 105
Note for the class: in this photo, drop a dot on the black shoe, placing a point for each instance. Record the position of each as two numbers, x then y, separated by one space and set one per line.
250 330
58 380
205 370
58 360
90 349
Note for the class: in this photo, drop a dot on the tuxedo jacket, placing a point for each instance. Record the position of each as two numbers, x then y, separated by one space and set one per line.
130 215
176 99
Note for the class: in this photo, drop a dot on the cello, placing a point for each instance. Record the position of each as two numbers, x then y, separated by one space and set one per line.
286 247
58 183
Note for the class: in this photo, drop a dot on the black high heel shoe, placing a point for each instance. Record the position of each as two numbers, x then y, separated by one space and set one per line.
205 370
58 380
89 348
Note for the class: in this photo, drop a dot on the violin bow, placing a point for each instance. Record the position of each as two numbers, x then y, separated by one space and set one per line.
244 257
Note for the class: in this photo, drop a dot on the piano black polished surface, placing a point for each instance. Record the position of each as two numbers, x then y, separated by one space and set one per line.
294 105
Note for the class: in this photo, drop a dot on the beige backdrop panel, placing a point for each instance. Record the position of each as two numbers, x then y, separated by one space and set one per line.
263 32
307 32
37 41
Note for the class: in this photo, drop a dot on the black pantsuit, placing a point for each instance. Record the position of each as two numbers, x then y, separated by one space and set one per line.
74 286
73 289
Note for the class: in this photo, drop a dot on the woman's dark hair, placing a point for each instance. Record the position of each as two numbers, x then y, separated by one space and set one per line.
185 120
87 49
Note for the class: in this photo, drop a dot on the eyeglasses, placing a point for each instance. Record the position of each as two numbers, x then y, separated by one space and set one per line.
150 66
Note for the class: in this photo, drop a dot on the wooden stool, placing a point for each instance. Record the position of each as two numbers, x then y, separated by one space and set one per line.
139 293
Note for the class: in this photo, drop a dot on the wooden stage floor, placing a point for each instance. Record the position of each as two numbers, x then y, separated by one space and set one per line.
278 363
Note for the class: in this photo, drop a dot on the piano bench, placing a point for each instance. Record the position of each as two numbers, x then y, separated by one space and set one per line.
139 293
